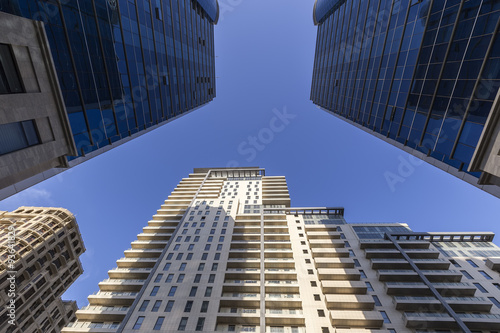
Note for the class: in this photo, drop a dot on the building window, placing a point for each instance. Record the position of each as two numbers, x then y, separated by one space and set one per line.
17 136
472 263
189 256
170 305
217 256
369 286
189 306
170 256
207 247
362 274
182 324
200 324
201 267
179 256
376 300
172 291
356 263
494 301
208 292
310 271
154 291
193 291
454 263
182 267
313 284
480 287
191 247
386 317
138 323
351 253
158 323
466 274
325 330
497 285
317 297
219 247
214 267
204 256
197 278
156 306
169 278
211 278
144 305
321 313
204 306
176 247
10 80
221 239
180 278
158 277
483 273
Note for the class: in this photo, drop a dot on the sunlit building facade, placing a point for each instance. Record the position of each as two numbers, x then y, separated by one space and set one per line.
39 259
421 75
227 253
122 68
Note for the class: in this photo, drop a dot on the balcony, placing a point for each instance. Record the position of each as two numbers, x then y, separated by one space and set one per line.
357 318
153 237
122 285
129 273
88 327
393 253
430 264
108 298
455 289
479 304
283 301
282 286
142 253
493 264
102 313
326 243
411 244
329 252
349 302
334 262
136 262
338 274
149 244
248 288
343 287
412 276
239 316
322 235
439 320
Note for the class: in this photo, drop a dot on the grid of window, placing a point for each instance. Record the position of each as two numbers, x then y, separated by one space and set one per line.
413 71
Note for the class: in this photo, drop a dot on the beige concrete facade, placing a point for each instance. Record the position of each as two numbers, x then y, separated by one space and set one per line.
226 253
39 250
41 102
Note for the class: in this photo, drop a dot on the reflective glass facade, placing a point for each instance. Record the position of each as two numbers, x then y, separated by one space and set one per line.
421 73
125 66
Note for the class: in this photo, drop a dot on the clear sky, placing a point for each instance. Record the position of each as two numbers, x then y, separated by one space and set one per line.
265 52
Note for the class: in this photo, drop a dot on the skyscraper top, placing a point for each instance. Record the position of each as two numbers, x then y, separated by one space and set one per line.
211 7
323 9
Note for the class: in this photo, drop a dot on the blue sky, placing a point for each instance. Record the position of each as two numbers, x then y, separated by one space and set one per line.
265 52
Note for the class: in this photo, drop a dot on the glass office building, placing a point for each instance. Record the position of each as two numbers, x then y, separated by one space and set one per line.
422 75
124 67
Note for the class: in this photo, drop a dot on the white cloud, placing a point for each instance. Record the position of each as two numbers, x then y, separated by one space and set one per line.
29 197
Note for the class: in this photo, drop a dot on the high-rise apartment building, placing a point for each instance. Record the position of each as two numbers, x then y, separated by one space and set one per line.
421 75
116 69
39 250
227 253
